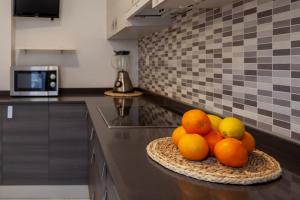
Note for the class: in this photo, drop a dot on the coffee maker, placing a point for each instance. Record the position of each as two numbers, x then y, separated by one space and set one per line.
121 62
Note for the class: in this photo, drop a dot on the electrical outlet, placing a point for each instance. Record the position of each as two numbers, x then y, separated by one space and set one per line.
147 60
9 112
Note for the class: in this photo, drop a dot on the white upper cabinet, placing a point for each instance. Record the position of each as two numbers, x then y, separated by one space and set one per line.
163 4
132 19
124 20
172 3
137 6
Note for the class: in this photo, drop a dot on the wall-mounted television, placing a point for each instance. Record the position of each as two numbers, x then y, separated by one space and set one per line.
37 8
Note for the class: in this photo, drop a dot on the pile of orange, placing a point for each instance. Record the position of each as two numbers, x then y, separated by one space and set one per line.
201 135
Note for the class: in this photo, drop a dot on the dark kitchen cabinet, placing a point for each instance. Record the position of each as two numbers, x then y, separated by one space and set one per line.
97 166
25 144
111 190
68 144
98 173
92 157
1 116
101 185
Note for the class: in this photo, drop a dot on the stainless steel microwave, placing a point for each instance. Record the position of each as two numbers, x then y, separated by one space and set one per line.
34 81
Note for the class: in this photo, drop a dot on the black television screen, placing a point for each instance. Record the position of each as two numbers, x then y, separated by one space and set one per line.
36 8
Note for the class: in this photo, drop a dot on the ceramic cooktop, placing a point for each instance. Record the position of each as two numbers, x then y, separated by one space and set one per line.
126 113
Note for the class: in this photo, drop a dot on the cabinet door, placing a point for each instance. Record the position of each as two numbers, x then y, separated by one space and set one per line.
112 193
98 168
101 169
92 177
68 138
25 144
1 117
116 9
157 2
92 164
91 135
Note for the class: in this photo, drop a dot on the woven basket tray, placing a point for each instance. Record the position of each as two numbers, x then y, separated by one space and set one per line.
130 94
260 168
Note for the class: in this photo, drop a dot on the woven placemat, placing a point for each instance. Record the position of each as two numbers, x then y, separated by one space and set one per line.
116 94
260 167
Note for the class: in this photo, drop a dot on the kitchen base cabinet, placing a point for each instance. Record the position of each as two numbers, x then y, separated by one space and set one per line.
43 144
1 115
99 174
68 144
97 165
25 144
111 190
101 185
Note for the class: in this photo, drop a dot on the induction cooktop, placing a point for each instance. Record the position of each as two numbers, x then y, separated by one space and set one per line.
127 114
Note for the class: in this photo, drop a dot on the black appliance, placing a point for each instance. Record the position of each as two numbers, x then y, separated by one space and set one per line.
128 113
37 8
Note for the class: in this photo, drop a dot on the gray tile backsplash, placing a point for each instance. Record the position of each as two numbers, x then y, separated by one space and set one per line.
240 60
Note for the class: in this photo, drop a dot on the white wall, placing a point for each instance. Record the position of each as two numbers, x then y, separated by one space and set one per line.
5 43
82 26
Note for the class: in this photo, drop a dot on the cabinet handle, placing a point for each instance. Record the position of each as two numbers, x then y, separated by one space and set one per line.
103 173
116 24
93 196
93 156
10 110
86 114
92 134
105 195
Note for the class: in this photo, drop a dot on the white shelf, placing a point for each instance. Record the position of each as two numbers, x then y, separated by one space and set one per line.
61 50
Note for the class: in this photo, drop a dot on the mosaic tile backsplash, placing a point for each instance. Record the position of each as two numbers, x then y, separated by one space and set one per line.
240 60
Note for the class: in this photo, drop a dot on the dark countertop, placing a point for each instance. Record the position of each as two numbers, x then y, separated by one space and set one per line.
63 99
138 177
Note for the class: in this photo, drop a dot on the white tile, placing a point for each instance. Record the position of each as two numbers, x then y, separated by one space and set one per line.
281 59
264 99
265 119
264 5
282 44
281 16
282 109
279 3
282 37
281 131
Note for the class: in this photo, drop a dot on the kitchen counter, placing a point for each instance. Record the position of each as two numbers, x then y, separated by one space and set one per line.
137 177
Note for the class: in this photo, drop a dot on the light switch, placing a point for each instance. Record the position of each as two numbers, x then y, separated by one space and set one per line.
9 112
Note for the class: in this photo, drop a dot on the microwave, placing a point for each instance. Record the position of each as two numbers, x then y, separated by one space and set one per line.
34 81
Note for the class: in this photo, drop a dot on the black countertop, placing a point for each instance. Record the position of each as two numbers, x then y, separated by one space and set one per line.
138 177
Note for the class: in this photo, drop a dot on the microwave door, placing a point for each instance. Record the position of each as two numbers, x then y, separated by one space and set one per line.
30 83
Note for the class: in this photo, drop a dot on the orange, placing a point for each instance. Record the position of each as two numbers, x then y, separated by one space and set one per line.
212 138
193 147
231 152
196 121
249 142
177 133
